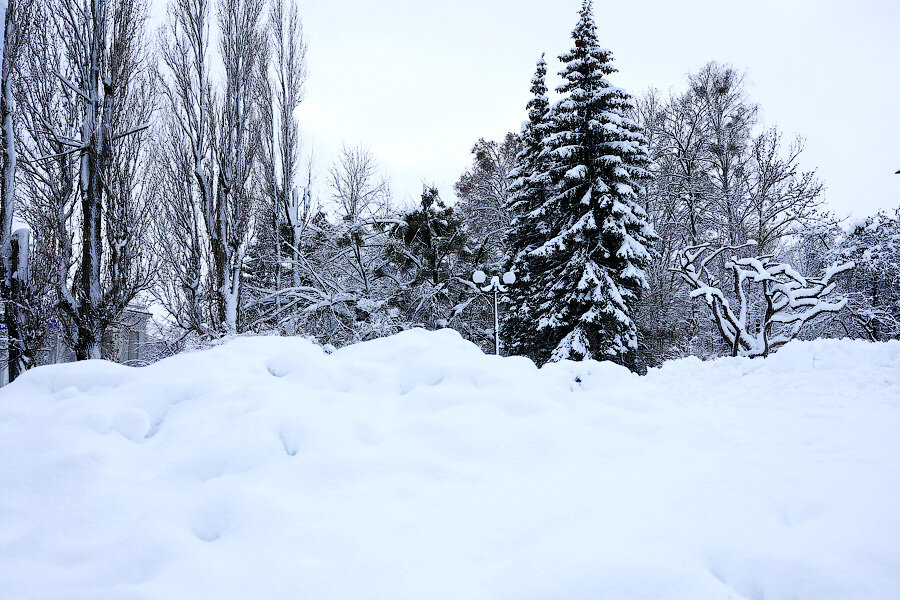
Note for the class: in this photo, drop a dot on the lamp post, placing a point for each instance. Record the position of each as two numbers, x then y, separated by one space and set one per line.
509 278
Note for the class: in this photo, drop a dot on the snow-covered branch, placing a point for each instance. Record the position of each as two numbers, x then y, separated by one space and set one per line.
780 299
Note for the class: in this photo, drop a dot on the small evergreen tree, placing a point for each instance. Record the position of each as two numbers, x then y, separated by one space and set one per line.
426 255
587 272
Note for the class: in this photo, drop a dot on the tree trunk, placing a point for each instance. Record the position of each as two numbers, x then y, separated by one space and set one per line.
15 348
87 346
10 284
94 131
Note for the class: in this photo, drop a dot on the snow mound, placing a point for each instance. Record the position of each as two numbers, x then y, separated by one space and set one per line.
416 467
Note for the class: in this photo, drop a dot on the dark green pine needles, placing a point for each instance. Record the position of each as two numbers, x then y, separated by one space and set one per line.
581 241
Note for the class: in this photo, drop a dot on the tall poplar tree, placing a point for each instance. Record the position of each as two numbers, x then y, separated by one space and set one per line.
13 17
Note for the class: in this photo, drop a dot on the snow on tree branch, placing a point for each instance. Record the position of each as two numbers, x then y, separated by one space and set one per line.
780 299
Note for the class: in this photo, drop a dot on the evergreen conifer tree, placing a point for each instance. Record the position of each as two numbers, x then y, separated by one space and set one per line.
588 271
528 195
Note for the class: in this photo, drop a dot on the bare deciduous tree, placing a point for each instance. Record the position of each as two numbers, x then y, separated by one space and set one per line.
728 118
16 20
89 101
184 166
484 191
290 206
790 300
781 199
715 181
361 197
229 215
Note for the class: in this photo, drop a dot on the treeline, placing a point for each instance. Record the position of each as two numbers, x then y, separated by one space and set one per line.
742 257
639 230
721 183
136 171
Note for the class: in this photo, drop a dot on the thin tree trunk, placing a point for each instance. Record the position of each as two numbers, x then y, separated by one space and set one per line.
10 283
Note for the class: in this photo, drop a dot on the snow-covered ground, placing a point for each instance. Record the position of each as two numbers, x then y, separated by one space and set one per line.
415 467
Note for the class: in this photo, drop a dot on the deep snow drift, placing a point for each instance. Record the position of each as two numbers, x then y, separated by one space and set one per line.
415 467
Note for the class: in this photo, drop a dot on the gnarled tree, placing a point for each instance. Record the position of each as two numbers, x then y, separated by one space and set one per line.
786 300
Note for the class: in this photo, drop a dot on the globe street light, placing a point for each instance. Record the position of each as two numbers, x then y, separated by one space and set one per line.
495 286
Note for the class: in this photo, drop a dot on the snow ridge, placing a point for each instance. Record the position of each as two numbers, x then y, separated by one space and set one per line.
417 467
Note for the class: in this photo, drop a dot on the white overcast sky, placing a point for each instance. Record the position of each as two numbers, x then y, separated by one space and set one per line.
419 81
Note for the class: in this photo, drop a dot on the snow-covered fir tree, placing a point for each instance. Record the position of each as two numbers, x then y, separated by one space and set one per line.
587 272
528 194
